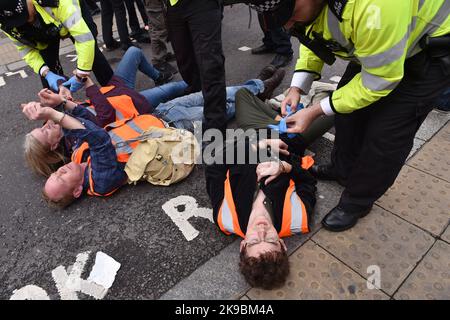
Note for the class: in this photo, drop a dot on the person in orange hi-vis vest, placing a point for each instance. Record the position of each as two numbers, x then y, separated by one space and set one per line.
97 170
262 203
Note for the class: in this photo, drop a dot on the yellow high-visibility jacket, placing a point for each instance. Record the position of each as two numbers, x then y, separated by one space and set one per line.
380 35
67 15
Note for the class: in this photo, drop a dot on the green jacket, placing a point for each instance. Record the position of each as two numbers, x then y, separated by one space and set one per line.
380 35
67 14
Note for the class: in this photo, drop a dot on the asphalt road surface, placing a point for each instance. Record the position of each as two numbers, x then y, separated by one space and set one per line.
131 226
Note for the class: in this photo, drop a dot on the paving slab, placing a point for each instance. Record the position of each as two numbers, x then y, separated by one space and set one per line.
419 198
434 157
316 274
446 235
431 279
418 143
380 239
432 124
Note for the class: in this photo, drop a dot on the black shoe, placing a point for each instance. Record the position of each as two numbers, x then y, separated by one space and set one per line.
262 49
338 220
164 77
280 60
266 72
164 66
113 46
125 47
271 84
169 57
326 172
143 38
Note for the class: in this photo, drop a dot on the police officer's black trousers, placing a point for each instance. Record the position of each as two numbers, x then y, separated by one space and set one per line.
372 144
101 68
195 28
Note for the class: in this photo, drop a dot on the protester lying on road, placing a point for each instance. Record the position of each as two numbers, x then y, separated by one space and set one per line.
45 150
262 203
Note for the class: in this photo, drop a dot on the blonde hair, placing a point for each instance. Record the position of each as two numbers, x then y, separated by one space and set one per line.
59 204
40 158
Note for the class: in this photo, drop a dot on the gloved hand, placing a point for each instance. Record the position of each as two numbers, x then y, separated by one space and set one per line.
73 84
52 79
281 127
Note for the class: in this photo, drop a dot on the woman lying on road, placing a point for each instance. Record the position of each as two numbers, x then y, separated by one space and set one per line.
263 203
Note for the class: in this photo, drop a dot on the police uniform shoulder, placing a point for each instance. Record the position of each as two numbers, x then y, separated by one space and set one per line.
48 3
337 7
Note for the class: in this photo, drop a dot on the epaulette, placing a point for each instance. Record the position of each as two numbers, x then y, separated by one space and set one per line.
337 7
48 3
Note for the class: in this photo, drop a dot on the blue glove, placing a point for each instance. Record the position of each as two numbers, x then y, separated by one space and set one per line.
73 84
52 79
281 127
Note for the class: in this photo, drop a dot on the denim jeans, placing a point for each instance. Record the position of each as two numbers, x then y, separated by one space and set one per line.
182 112
134 60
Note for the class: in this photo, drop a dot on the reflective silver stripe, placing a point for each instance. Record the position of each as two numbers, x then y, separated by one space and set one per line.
391 55
125 148
133 126
84 37
296 214
439 18
421 3
92 110
227 218
74 18
377 83
119 114
336 33
23 52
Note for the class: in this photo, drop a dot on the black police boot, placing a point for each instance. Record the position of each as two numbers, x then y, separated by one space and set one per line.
281 60
262 49
326 172
338 220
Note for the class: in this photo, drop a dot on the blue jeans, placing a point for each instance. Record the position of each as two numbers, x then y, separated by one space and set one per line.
443 102
182 112
134 60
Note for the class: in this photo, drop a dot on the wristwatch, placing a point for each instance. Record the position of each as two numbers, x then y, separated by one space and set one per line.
81 79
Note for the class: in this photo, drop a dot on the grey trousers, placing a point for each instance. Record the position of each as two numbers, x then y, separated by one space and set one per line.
158 30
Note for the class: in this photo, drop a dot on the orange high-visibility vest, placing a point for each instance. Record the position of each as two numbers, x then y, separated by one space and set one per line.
295 218
124 136
123 105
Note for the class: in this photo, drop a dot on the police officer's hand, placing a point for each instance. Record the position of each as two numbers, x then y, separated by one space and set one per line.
292 99
73 84
301 120
52 79
35 111
49 99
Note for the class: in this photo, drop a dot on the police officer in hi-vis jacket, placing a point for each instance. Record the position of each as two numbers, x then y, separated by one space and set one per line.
399 53
36 27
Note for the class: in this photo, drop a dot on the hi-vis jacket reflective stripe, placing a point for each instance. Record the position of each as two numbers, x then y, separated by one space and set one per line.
123 135
123 105
121 132
380 35
295 217
67 15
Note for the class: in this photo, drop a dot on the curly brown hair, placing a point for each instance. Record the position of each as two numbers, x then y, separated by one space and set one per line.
268 271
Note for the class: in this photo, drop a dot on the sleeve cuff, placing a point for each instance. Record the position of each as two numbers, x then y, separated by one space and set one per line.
327 106
82 72
43 69
303 81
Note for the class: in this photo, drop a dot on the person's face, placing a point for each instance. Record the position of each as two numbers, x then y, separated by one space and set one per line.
305 12
261 237
50 134
66 180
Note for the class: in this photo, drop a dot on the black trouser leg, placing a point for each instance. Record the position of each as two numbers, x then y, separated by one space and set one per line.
101 68
391 124
349 132
132 16
195 32
51 59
